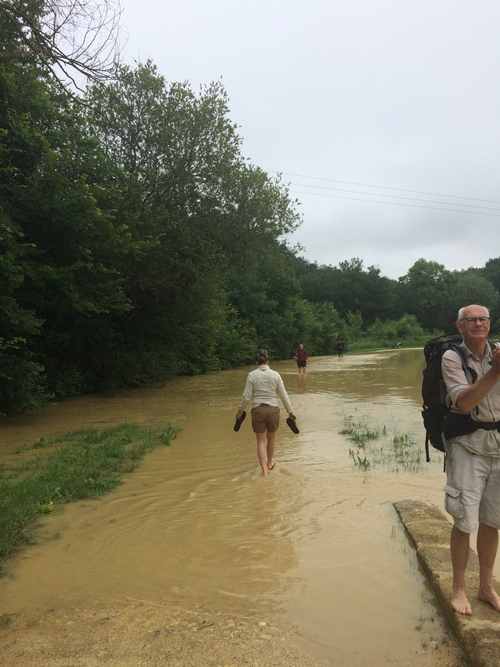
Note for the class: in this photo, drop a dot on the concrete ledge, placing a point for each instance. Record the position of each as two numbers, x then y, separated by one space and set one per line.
429 531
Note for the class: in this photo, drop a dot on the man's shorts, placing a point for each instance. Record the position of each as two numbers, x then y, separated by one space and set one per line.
301 364
265 418
472 489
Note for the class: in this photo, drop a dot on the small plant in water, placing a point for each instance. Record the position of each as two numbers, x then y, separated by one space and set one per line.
398 453
359 432
359 462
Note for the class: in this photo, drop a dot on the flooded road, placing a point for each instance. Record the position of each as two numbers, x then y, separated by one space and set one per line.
316 544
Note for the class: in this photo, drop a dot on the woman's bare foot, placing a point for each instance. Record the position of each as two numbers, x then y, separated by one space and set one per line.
491 597
270 466
460 603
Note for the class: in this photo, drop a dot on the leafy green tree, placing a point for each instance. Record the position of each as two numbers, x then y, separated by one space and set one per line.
426 292
204 225
22 383
351 287
471 286
491 272
391 332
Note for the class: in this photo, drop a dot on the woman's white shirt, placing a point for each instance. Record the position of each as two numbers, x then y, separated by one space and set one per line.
264 385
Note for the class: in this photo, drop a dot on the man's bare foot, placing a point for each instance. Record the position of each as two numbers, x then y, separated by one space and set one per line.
491 597
460 603
270 466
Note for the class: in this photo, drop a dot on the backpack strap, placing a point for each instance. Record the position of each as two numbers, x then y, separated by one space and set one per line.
469 372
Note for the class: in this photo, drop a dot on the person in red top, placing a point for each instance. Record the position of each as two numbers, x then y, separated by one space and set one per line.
301 358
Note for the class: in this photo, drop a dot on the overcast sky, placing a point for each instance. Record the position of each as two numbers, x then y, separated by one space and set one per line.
358 103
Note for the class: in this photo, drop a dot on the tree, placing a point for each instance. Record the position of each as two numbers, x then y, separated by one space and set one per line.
351 287
21 376
426 292
491 272
471 286
68 38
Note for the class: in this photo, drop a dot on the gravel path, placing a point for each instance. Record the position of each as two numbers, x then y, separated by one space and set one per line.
138 633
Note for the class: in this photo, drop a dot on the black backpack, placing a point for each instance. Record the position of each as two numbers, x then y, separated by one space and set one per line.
434 408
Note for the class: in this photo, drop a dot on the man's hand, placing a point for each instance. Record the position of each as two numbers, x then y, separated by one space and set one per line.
239 413
474 394
292 416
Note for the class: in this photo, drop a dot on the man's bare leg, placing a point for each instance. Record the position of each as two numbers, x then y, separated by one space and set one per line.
487 545
270 449
262 452
459 548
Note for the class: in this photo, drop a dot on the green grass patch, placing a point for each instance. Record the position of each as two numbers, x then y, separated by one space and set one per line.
83 464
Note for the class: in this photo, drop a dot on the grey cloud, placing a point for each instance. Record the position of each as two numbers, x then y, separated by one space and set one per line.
399 94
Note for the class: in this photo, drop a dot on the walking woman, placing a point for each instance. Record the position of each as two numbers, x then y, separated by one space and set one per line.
263 388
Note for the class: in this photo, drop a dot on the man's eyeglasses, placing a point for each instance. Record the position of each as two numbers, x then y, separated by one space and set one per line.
481 319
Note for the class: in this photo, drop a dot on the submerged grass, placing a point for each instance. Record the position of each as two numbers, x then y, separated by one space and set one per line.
397 453
360 432
82 464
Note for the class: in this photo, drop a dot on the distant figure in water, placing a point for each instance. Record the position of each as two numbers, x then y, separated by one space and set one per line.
301 359
263 388
340 346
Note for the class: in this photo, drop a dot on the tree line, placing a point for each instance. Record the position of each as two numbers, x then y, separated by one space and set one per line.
138 242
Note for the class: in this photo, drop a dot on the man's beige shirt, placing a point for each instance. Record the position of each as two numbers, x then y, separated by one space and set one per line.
486 443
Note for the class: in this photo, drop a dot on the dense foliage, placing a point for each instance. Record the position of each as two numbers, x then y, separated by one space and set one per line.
136 241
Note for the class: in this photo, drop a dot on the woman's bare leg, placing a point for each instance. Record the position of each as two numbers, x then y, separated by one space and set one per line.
270 449
262 451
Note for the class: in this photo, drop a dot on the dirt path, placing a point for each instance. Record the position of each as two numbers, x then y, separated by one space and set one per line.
139 633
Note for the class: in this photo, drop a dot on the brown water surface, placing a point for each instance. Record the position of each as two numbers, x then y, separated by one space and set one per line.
317 543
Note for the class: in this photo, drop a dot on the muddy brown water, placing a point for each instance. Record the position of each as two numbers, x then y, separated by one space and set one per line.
317 544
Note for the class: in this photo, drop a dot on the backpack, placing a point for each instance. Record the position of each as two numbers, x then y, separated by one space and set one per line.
434 408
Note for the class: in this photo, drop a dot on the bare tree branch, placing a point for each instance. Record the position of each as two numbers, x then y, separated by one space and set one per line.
76 40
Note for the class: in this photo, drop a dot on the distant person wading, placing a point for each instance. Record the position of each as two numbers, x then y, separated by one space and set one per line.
340 347
301 359
263 388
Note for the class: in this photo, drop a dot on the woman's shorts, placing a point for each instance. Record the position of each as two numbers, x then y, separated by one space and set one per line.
265 418
472 489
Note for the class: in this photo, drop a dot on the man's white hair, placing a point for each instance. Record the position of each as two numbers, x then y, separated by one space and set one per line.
461 312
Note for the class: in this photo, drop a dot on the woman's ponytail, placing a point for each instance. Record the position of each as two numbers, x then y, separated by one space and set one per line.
262 357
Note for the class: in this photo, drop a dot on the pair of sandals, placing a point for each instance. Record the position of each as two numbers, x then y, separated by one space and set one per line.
290 422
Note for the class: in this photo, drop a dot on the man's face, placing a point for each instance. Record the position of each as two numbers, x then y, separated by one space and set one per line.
471 327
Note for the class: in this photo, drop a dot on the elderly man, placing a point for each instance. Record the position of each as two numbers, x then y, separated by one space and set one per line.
473 459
